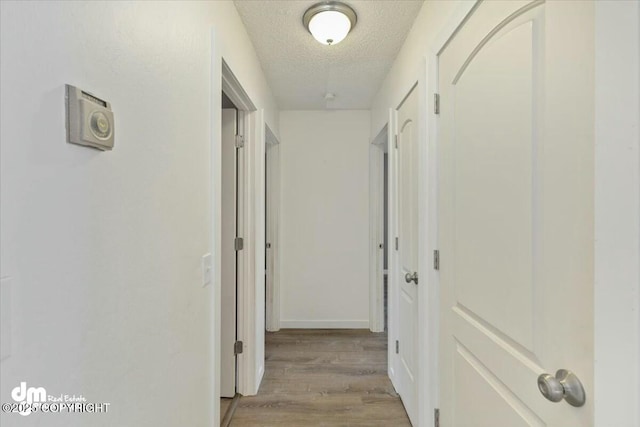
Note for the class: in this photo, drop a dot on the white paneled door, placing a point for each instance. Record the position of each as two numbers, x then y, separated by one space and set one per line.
407 345
516 169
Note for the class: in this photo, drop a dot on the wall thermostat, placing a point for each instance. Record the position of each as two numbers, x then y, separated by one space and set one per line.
89 119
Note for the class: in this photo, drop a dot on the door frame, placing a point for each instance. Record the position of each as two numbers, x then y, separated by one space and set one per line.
272 232
428 298
234 276
392 254
377 149
617 216
429 295
246 122
427 290
251 293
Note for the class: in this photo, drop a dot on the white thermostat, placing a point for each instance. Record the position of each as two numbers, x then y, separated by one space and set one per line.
89 119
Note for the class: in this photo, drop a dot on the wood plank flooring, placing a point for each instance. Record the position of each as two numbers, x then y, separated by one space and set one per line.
224 405
323 378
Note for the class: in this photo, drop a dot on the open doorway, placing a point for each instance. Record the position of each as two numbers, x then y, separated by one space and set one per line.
235 345
272 230
231 245
379 242
385 237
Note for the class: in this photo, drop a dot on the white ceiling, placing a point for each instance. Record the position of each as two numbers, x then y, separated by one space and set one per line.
301 71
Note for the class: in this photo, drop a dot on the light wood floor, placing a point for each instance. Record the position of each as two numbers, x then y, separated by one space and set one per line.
224 405
324 378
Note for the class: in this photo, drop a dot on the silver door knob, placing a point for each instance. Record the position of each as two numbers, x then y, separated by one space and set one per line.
411 277
565 385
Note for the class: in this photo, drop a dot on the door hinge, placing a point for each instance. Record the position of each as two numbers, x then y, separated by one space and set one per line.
239 243
268 245
396 243
436 103
436 260
395 141
397 347
436 417
237 347
239 141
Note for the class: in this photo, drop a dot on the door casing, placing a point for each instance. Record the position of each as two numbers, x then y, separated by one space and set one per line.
377 150
231 259
272 196
617 213
251 294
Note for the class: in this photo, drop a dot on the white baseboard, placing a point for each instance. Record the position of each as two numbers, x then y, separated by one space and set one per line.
324 324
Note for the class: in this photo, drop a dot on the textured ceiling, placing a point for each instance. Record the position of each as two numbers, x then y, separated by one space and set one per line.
301 71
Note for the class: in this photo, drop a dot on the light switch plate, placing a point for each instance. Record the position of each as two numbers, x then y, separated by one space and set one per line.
5 320
206 269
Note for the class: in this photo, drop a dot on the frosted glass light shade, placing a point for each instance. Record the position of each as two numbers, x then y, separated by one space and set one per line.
329 22
330 27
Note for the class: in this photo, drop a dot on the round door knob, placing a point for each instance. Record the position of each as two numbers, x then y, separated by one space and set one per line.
550 387
565 385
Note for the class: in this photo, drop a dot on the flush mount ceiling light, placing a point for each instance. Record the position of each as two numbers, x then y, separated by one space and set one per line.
329 22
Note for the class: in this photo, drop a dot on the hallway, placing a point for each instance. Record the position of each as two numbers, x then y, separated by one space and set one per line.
323 378
320 213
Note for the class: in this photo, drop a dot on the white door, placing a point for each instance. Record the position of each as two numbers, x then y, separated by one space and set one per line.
516 213
228 287
407 165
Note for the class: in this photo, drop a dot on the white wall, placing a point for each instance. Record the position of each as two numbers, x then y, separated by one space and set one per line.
617 214
325 219
409 63
103 249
